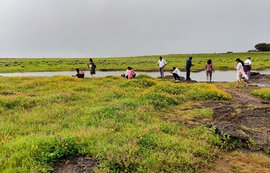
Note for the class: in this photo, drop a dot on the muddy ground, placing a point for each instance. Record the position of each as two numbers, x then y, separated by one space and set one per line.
246 117
78 164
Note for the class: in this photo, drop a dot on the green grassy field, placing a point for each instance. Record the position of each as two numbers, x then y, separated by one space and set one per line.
225 61
130 127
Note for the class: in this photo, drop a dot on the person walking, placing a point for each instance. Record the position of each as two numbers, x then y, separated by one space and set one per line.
240 72
247 64
92 66
161 64
188 66
209 70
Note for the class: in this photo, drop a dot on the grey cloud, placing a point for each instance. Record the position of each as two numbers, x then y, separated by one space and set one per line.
83 28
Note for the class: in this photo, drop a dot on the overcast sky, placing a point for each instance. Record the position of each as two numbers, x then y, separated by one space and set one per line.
106 28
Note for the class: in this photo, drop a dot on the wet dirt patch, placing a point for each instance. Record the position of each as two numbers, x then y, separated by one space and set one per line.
246 124
7 94
245 117
78 164
262 80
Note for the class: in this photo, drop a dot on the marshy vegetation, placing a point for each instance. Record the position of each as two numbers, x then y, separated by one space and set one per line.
120 123
222 61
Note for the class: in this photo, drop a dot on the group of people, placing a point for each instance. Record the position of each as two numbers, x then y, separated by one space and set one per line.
92 67
242 70
175 71
162 63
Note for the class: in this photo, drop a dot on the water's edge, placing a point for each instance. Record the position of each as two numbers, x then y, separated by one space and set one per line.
218 76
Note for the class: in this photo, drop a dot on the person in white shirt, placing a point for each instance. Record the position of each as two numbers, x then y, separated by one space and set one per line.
240 72
247 64
126 74
176 73
161 64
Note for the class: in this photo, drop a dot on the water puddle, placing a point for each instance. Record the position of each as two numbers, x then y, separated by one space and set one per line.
218 76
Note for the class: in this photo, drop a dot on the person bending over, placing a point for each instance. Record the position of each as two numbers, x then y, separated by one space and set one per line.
131 73
176 73
80 73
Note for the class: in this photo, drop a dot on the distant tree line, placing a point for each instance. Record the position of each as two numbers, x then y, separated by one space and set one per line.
262 47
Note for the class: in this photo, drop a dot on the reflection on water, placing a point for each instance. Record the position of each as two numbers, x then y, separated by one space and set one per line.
218 76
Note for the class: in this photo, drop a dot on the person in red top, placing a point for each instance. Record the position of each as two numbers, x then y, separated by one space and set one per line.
131 73
209 70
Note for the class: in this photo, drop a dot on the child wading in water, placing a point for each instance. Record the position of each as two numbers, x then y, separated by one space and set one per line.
209 70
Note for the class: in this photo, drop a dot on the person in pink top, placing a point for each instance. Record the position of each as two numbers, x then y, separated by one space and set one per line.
131 73
209 70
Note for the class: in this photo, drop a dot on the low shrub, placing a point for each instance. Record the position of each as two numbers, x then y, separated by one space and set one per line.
141 83
264 93
160 99
144 76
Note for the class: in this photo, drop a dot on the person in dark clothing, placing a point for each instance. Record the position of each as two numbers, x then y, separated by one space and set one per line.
247 65
80 73
92 66
188 66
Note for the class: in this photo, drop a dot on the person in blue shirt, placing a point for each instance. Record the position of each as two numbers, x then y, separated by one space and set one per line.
188 66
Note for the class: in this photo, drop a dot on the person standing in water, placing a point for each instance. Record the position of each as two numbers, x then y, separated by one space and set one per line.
209 70
92 67
240 72
188 66
161 64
